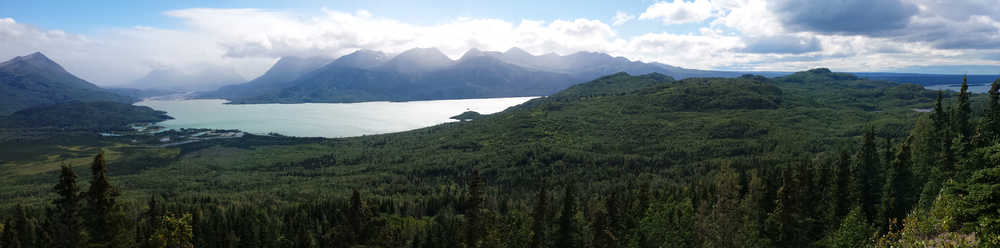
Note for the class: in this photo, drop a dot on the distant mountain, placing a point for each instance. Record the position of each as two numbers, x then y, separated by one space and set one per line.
417 60
287 69
34 80
428 74
363 59
207 78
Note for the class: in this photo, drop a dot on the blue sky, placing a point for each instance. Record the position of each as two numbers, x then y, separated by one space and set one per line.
113 42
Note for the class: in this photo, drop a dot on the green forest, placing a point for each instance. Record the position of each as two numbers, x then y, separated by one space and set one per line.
812 159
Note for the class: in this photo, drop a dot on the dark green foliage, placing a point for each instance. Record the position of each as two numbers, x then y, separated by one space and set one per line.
989 128
35 80
467 116
899 193
474 220
852 232
962 118
106 221
85 115
540 219
867 174
637 173
68 229
568 233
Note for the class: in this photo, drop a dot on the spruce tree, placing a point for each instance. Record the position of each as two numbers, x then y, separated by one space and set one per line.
151 221
358 219
68 229
990 127
843 193
10 235
105 218
866 174
25 228
568 233
474 229
752 233
898 194
539 224
963 114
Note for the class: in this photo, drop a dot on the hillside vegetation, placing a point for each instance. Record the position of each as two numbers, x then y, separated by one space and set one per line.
813 159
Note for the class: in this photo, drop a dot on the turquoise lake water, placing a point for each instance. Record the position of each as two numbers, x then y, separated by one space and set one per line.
329 120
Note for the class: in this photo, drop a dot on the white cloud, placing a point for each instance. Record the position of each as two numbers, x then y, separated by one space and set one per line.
621 18
679 11
734 34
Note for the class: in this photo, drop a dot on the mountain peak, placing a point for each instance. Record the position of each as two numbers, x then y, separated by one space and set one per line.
36 59
517 51
362 58
419 60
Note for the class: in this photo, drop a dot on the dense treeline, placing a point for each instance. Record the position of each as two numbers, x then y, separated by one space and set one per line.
740 182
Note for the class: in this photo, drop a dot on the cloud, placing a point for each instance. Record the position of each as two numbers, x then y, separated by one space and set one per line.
845 16
678 11
787 44
621 18
731 34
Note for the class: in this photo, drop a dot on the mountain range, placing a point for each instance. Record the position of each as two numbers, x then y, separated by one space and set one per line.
35 80
206 78
428 74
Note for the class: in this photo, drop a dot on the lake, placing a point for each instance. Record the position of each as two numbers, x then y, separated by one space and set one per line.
974 88
329 120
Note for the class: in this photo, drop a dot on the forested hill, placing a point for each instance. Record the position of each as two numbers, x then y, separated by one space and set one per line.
812 159
34 80
99 115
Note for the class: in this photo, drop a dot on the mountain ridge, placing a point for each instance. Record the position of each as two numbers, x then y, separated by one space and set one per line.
428 74
34 80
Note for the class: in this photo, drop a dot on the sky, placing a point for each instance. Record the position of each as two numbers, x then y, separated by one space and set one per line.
116 42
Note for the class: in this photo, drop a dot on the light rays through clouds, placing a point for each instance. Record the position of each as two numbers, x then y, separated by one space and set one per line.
784 35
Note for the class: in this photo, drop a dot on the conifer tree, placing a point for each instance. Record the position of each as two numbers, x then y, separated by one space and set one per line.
943 135
720 218
151 221
866 173
782 224
852 232
105 219
474 228
843 194
10 235
898 194
603 237
568 233
539 224
963 114
25 228
752 233
358 219
990 127
68 229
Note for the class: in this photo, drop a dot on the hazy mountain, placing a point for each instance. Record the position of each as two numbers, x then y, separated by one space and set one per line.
427 74
207 78
34 79
285 70
417 60
363 59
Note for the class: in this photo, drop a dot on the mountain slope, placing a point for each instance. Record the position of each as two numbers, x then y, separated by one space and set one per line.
207 78
474 77
427 74
34 80
287 69
84 115
417 60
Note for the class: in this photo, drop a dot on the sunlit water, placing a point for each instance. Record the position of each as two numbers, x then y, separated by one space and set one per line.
975 88
322 119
